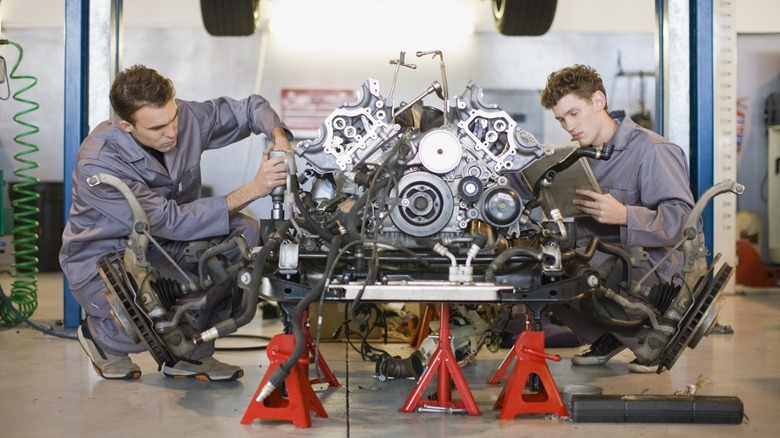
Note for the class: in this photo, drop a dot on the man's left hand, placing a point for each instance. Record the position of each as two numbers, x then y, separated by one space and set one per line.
602 207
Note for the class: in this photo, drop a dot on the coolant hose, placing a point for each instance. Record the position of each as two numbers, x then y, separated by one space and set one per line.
24 288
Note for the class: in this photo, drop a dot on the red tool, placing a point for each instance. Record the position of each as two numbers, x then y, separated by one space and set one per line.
442 361
531 360
300 397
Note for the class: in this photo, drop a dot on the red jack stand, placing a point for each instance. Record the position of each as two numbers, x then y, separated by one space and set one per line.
443 360
507 360
503 367
300 396
513 400
327 375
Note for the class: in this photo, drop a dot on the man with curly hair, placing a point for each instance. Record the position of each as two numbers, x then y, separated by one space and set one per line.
645 196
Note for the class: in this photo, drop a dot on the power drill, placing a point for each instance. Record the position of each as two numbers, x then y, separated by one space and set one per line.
277 195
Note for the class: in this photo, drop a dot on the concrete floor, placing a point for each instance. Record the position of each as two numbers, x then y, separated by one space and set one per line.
50 390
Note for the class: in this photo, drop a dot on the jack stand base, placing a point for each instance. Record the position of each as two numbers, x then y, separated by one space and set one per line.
513 399
442 361
503 367
300 397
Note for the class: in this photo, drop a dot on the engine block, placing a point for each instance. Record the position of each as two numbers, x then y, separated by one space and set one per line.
449 165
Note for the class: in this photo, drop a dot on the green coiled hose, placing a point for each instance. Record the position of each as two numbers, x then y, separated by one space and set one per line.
24 288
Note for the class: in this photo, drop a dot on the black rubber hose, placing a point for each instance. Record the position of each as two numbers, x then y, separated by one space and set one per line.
279 375
596 314
596 244
251 296
548 176
498 262
304 211
352 216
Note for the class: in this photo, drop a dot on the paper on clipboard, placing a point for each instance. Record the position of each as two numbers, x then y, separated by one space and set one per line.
578 176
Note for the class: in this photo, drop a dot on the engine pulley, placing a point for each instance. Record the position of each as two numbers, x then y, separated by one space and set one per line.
501 206
440 151
470 188
425 204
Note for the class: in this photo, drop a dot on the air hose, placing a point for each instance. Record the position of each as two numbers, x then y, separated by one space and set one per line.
24 289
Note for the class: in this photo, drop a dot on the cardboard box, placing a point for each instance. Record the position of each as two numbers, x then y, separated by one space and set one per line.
333 317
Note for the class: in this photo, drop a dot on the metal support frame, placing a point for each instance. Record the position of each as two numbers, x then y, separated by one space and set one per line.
702 104
88 49
76 78
686 43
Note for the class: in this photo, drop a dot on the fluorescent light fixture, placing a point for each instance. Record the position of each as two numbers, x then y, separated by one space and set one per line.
359 25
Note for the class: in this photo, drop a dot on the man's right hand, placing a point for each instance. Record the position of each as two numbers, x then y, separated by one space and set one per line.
272 173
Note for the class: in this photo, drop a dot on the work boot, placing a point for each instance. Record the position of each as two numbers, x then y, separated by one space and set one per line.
107 365
207 369
600 351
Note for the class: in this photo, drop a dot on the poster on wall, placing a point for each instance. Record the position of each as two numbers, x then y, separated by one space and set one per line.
306 109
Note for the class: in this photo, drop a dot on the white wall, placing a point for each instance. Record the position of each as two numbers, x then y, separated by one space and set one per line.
172 40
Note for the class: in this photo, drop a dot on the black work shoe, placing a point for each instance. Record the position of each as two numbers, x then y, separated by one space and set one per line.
107 365
600 351
207 369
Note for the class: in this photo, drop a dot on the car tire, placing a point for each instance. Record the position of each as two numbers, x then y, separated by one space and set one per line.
523 17
230 17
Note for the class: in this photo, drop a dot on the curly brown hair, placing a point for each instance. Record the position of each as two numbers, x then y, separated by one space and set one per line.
581 80
139 86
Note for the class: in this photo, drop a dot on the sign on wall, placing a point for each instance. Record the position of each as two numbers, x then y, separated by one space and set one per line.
308 108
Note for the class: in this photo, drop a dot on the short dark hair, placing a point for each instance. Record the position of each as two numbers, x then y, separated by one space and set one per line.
139 86
581 80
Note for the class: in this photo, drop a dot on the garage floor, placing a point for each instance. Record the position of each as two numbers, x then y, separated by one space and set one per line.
50 390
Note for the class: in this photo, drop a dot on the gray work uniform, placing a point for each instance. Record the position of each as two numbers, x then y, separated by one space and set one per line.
100 218
650 176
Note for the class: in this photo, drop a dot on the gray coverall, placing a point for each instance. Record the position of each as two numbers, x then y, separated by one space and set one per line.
100 218
650 176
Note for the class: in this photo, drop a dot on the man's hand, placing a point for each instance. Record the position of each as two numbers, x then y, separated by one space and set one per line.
272 173
603 208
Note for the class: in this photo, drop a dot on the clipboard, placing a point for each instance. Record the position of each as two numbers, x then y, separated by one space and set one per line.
577 176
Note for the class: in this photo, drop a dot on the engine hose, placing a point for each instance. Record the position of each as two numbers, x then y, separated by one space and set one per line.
24 288
540 196
595 244
498 262
280 374
245 311
304 211
597 314
362 201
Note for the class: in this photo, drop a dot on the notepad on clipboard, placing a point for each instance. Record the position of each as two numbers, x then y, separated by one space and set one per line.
577 176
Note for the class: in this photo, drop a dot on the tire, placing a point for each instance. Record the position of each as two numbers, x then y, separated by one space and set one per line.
230 17
523 17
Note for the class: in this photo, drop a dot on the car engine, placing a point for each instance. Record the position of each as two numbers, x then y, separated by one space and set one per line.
408 202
